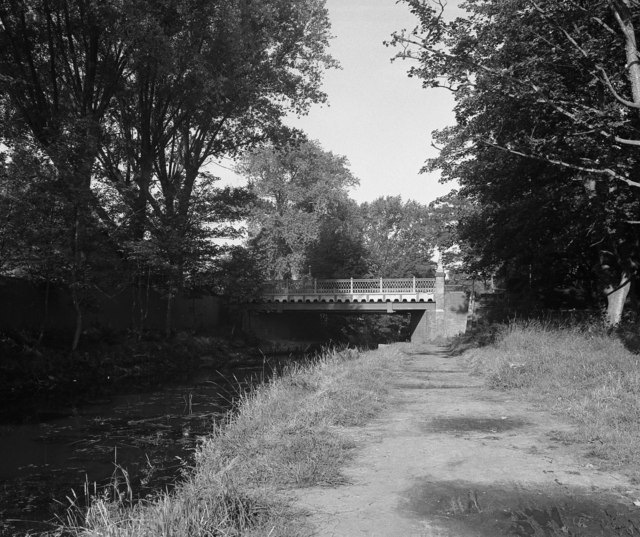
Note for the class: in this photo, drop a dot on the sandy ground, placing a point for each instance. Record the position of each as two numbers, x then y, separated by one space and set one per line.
450 458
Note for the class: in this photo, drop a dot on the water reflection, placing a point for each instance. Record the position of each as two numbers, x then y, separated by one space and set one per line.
144 437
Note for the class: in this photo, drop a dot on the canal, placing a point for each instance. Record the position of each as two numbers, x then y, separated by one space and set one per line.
139 440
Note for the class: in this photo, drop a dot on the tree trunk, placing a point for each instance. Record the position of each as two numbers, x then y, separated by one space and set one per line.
623 14
45 314
168 321
616 297
141 305
78 243
78 309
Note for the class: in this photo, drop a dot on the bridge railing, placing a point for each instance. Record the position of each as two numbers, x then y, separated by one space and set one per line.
351 286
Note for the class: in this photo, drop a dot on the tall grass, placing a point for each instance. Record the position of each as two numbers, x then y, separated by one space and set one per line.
581 372
287 432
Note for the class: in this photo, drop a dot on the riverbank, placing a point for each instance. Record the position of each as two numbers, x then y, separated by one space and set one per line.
290 432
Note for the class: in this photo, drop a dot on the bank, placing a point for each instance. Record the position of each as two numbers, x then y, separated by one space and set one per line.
289 432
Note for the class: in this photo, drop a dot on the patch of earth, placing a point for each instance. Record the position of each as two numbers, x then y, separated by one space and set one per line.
438 370
461 424
427 386
507 509
466 462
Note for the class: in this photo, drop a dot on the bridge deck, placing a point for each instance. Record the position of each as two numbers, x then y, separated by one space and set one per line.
350 290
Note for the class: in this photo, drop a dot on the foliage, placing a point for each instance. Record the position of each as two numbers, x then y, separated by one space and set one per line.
402 239
340 250
396 237
238 273
300 190
35 216
126 101
545 140
202 88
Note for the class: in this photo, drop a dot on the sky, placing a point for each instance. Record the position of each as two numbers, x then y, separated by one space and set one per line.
377 117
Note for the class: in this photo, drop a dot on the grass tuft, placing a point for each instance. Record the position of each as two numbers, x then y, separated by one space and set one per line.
581 372
288 432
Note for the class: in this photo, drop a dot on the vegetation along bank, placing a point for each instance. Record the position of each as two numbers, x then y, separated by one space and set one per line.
582 373
288 432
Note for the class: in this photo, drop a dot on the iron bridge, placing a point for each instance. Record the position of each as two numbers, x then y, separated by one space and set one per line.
349 290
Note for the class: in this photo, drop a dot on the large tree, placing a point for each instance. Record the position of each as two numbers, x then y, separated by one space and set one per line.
547 131
299 188
210 79
61 63
396 236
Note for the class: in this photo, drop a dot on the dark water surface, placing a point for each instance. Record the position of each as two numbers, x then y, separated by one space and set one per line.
147 438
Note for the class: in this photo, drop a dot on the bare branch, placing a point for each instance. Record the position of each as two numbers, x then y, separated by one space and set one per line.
627 142
604 25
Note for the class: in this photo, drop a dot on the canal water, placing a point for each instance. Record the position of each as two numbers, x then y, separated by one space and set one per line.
145 438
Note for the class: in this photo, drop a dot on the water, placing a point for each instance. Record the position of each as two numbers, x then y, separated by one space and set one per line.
147 438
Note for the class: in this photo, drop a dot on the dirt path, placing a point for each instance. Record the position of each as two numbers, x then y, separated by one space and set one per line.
453 459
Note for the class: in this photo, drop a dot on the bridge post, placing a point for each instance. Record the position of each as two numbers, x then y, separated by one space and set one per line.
438 297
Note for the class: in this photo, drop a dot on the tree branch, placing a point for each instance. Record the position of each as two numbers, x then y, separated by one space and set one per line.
597 171
615 94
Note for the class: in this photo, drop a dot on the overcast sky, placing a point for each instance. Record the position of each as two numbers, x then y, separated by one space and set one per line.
377 116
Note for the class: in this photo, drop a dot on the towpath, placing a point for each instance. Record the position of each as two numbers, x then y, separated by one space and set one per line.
453 459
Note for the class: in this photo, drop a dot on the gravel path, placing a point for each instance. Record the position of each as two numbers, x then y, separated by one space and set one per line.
453 459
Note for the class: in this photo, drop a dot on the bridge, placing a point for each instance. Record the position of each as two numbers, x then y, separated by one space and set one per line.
350 291
435 309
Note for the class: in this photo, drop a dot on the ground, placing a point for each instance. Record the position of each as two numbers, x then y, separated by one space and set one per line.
451 458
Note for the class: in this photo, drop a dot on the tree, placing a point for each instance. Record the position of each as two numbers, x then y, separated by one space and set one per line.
540 115
60 66
396 236
211 79
129 99
35 242
339 251
298 188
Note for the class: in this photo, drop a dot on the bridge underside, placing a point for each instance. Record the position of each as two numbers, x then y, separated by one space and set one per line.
370 307
260 318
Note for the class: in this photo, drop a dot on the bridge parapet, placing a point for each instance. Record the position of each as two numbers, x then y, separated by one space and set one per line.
350 290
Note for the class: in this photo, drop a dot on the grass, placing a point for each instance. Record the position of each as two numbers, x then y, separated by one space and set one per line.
289 432
580 372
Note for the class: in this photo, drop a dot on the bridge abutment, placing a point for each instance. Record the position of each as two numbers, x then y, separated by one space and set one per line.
422 324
